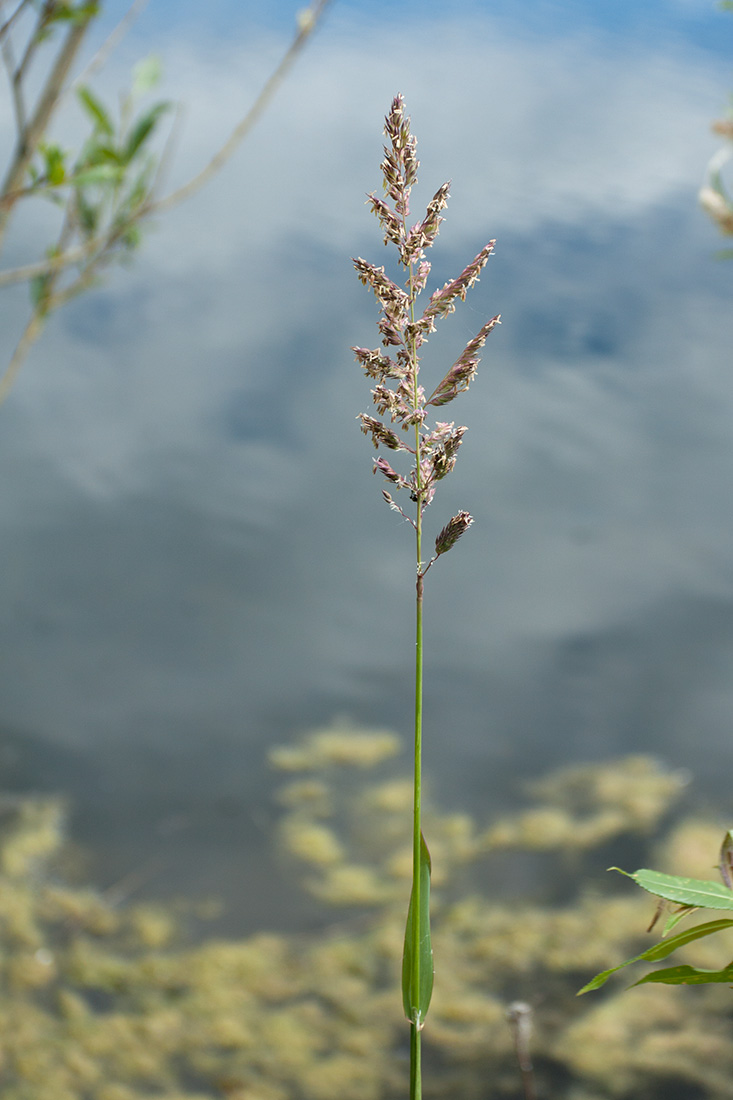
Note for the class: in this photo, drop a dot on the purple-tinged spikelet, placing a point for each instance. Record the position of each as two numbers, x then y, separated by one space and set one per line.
452 531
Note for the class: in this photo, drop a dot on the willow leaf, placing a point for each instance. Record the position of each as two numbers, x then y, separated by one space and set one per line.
697 892
688 975
661 950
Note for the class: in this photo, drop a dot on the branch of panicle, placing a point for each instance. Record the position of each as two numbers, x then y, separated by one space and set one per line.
400 163
442 302
463 371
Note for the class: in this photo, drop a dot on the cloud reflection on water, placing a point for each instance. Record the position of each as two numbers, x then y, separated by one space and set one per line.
197 560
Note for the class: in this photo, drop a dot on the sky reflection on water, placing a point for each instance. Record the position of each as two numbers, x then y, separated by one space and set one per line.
198 563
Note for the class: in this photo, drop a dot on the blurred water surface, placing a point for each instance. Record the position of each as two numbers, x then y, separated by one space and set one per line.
197 562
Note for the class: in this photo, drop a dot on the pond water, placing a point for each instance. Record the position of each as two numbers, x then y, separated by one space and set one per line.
198 562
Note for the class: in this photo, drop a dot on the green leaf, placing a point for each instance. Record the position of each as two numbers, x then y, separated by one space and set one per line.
146 74
55 169
96 111
688 975
142 130
64 12
697 892
87 213
98 174
674 919
725 863
416 1001
661 950
38 286
100 153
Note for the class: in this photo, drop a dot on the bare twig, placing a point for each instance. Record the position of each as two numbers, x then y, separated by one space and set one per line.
53 263
307 25
15 83
32 331
110 43
35 38
81 252
4 29
97 251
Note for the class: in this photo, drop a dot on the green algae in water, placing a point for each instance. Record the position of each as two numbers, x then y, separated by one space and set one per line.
106 1003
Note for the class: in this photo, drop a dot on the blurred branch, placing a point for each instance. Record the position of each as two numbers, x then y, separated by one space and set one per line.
111 42
106 163
307 23
11 19
30 135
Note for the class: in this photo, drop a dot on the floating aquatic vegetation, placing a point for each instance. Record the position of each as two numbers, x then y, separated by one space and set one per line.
104 1002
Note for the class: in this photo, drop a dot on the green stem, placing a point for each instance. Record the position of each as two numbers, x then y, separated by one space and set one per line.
415 1064
415 1026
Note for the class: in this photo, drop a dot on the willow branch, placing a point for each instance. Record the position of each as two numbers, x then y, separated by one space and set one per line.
82 252
5 28
96 251
307 25
31 333
28 140
15 83
111 42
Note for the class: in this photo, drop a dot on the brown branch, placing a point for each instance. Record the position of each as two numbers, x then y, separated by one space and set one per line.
103 244
11 19
35 39
308 23
31 333
28 140
151 206
111 41
15 83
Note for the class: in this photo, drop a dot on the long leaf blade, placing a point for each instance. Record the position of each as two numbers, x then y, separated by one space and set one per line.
688 975
142 130
96 111
661 950
700 893
417 1000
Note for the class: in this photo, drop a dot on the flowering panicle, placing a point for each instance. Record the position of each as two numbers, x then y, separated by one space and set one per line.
397 393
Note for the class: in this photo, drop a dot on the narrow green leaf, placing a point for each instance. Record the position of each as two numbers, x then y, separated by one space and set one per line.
674 919
99 174
96 111
661 950
55 169
142 130
688 975
100 153
725 862
146 74
80 14
38 286
699 893
416 1001
87 213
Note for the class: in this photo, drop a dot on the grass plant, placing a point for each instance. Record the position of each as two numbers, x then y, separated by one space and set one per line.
400 398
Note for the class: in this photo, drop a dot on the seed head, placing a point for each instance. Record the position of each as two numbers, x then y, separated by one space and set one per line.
452 531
